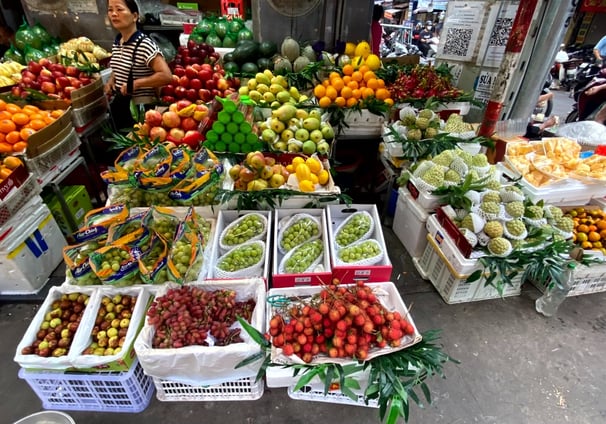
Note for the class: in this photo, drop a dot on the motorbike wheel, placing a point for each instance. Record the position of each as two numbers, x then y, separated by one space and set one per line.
572 117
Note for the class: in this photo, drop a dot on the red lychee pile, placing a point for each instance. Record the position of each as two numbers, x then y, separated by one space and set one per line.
340 322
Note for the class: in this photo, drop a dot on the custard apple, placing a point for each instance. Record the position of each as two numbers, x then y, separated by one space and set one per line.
409 120
414 134
431 132
466 156
493 229
426 114
564 223
452 176
555 212
407 112
434 176
515 227
499 246
490 207
474 175
513 189
444 158
472 222
493 185
534 212
515 209
480 160
422 123
491 196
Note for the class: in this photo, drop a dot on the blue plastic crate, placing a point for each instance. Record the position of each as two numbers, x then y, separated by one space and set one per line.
129 391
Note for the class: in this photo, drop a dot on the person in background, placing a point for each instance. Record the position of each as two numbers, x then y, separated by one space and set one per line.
415 33
376 30
599 51
133 53
7 36
425 37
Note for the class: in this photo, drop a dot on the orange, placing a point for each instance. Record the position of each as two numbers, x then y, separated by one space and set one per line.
337 83
593 236
5 147
346 79
372 83
333 75
352 84
363 69
319 91
19 146
603 234
12 108
7 125
367 92
12 162
357 76
340 101
369 75
346 92
382 93
348 69
388 101
597 244
326 83
356 93
586 245
30 109
26 132
593 228
351 102
324 102
381 83
583 228
57 113
37 124
5 115
20 118
331 92
49 119
5 173
2 105
13 137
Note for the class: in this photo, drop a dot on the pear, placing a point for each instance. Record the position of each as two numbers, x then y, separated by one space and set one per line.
287 134
283 96
268 74
282 81
285 112
262 88
243 91
251 84
262 78
294 93
277 126
255 96
315 113
302 114
269 97
276 88
268 135
311 124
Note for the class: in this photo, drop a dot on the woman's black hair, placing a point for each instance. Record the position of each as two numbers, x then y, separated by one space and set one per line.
377 12
132 6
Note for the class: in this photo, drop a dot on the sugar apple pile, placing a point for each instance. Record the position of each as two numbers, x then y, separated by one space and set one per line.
455 125
499 222
419 125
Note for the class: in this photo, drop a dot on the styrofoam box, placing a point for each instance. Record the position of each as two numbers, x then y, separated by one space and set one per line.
450 284
409 223
225 218
362 124
336 214
308 278
427 201
30 253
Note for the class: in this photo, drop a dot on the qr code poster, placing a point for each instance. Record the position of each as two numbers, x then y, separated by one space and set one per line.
461 29
494 41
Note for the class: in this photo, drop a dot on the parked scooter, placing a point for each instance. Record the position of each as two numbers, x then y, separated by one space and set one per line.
585 105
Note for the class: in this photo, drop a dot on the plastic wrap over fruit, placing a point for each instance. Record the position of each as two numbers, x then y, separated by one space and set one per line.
365 252
153 262
244 260
132 225
79 270
303 258
296 230
186 255
116 265
163 221
249 227
357 227
97 222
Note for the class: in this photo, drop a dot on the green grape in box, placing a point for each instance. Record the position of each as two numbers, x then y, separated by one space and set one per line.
243 229
241 257
303 257
354 228
364 250
298 231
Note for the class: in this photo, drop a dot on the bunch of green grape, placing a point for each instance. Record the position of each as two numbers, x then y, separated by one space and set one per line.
113 258
303 256
165 228
181 252
88 279
85 250
354 228
241 257
360 251
243 229
299 231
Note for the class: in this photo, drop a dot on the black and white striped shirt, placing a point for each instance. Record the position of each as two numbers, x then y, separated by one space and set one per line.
122 60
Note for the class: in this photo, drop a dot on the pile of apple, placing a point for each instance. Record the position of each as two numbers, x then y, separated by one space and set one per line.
258 172
53 79
296 130
196 53
178 124
198 82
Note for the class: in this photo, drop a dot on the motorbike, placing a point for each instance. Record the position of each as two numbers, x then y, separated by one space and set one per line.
589 76
393 45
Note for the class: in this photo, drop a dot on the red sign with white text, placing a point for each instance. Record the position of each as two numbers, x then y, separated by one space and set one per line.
593 6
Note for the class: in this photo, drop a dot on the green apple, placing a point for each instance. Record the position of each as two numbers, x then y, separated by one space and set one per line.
276 180
277 126
302 134
316 136
287 134
309 147
323 147
328 132
316 113
268 135
311 124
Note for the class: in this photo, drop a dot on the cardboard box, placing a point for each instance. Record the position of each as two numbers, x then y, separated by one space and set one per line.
46 138
14 181
379 272
313 278
78 202
88 94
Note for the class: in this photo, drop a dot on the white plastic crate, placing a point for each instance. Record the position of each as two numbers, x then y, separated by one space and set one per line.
45 162
451 285
242 389
315 394
11 205
460 263
587 280
409 223
129 391
361 125
85 115
30 252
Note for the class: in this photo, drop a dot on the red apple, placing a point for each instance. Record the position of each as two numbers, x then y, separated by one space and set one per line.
180 92
189 123
158 133
210 84
75 82
192 138
168 99
222 84
205 74
71 71
63 82
34 67
205 95
170 119
153 118
48 87
176 133
179 71
195 83
190 72
57 67
167 90
44 62
182 104
192 94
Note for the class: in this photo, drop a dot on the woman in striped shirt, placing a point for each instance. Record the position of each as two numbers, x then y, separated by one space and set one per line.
134 51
